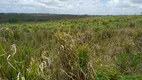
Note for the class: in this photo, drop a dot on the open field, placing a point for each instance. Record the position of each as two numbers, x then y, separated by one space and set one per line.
90 48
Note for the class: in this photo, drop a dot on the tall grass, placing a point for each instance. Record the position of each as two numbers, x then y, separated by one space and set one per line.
100 48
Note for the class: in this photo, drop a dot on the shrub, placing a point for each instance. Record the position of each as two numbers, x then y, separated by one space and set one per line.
13 20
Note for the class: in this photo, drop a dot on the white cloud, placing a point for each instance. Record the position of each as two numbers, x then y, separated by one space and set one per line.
72 6
125 3
136 1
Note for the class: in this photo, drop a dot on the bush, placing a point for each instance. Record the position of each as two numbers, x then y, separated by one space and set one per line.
13 20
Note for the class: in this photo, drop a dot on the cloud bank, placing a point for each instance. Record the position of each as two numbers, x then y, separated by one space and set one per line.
95 7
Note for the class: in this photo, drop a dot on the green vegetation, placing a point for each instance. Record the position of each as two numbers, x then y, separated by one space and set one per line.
13 20
22 18
91 48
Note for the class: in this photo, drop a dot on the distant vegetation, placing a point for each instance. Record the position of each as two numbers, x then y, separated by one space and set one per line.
13 20
90 48
21 17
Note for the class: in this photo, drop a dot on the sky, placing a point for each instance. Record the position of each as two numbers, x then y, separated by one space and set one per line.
91 7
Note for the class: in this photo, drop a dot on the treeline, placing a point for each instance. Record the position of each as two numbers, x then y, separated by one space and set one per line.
34 17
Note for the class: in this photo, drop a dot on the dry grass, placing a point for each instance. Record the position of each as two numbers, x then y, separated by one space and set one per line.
76 52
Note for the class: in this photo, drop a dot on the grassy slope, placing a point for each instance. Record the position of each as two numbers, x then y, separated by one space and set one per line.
96 48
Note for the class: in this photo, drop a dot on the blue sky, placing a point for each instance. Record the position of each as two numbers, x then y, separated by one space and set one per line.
104 1
93 7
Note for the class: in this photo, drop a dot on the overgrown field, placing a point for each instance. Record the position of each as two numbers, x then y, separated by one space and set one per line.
93 48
